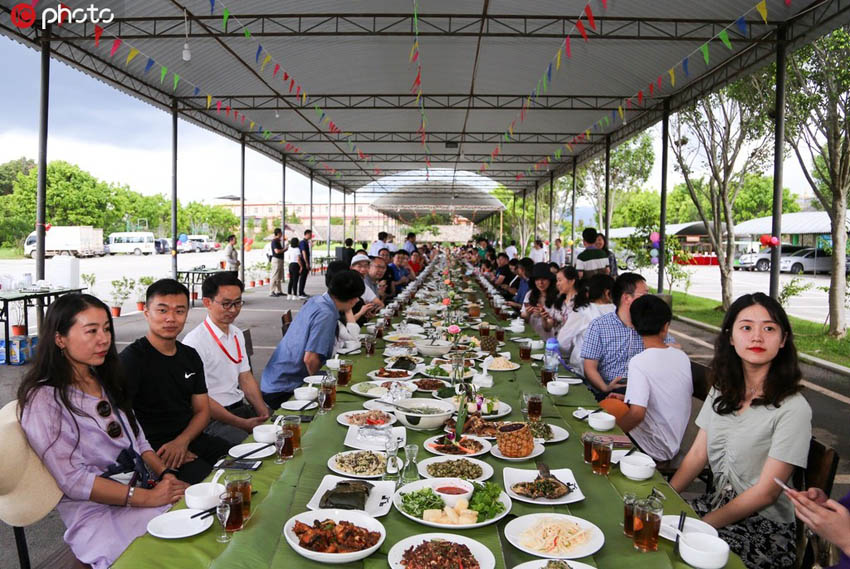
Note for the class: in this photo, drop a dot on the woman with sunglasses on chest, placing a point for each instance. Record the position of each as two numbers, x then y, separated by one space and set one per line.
76 417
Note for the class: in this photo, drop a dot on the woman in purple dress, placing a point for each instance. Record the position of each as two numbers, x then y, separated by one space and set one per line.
78 420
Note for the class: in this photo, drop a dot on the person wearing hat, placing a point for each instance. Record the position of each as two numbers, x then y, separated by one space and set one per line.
360 263
539 302
76 416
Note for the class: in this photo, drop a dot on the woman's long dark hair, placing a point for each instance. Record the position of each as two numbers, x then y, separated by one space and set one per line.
571 274
52 368
551 293
591 289
727 371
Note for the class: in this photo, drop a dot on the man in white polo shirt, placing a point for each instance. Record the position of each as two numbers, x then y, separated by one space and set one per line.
360 263
236 405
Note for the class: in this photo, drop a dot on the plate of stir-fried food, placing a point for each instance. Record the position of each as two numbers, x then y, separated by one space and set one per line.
429 550
334 536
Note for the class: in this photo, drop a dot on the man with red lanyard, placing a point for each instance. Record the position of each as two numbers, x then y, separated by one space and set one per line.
236 406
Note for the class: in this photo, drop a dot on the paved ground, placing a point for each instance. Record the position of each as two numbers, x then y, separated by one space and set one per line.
261 314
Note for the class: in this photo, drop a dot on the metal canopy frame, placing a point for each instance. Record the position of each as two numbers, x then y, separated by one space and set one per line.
478 66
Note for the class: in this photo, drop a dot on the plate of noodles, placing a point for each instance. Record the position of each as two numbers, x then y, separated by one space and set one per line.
554 536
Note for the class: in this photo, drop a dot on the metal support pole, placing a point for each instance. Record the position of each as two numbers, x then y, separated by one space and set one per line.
242 212
534 228
778 154
283 201
551 211
41 190
522 245
329 221
573 216
606 221
665 145
344 219
501 230
354 219
311 201
174 189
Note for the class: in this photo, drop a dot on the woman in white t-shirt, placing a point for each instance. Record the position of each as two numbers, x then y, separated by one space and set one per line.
292 258
592 300
754 426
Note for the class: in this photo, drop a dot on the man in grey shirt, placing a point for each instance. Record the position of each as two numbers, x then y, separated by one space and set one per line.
374 279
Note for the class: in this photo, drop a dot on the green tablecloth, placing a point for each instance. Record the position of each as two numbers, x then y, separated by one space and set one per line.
284 491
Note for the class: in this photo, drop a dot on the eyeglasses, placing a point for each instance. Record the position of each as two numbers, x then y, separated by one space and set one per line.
230 305
104 409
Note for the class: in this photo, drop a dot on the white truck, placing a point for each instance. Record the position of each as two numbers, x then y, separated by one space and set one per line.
77 240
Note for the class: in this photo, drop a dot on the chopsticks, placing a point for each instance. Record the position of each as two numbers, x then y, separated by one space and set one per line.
679 535
246 455
211 511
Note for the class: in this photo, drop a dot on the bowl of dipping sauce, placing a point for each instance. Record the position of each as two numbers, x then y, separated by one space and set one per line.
451 490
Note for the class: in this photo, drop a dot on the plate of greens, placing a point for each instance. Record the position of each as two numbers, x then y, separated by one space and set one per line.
419 502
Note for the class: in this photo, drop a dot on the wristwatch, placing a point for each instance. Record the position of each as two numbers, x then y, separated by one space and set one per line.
167 471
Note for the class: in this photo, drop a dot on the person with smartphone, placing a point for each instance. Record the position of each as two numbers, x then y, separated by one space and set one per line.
755 426
829 519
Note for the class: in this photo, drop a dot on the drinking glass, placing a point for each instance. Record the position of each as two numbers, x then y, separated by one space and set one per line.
535 406
647 523
484 329
343 375
525 350
222 512
329 387
600 460
546 375
235 521
392 471
369 342
293 423
523 405
587 441
410 472
240 483
285 446
629 500
321 398
500 334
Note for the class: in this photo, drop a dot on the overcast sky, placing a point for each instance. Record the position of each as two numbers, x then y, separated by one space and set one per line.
120 139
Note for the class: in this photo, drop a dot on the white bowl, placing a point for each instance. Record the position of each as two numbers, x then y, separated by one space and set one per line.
558 387
637 466
203 496
306 393
452 499
410 418
703 551
359 518
266 433
438 348
332 364
601 421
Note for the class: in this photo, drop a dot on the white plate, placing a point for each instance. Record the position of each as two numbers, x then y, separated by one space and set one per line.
354 440
513 476
398 337
467 373
671 522
342 418
482 554
541 564
348 351
239 450
361 519
429 483
558 434
314 379
378 503
581 413
486 469
514 529
616 455
514 366
485 448
333 467
444 382
178 523
298 405
362 387
374 375
538 450
411 328
416 359
570 380
373 404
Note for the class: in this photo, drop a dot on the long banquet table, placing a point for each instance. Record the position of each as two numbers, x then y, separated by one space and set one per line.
283 491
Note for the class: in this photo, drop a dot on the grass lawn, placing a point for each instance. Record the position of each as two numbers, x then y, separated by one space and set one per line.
809 336
11 253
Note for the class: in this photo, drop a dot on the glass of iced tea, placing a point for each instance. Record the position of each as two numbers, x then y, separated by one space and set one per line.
369 342
647 524
600 459
235 520
500 334
284 446
293 423
546 375
343 375
525 350
587 441
535 406
484 329
329 389
240 483
629 500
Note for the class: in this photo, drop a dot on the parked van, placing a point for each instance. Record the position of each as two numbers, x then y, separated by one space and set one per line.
135 242
77 240
202 243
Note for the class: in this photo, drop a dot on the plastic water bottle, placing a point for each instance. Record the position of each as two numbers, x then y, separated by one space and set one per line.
551 357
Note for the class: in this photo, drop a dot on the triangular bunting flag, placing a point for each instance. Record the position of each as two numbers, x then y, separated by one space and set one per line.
672 73
620 111
265 62
651 89
132 55
604 4
589 13
251 126
247 32
567 51
581 30
685 67
218 107
197 90
209 101
724 37
742 25
224 17
163 71
276 69
704 49
176 81
116 43
149 64
558 61
98 31
640 97
259 52
212 7
761 7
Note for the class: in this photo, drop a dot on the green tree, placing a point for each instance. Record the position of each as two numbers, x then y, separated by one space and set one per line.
10 170
756 198
637 208
631 165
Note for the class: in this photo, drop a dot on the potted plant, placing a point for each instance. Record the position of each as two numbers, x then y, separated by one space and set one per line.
88 280
252 274
121 290
141 291
19 328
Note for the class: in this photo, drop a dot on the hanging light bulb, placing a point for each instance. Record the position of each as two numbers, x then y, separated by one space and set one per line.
276 114
187 53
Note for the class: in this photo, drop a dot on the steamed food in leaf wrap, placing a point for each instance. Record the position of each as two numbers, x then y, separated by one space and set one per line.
347 495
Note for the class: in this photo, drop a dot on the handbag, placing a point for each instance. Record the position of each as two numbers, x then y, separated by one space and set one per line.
129 468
